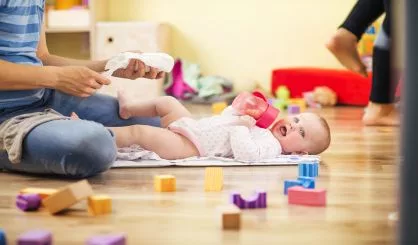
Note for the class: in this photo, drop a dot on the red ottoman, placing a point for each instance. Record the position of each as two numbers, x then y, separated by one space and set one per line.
351 89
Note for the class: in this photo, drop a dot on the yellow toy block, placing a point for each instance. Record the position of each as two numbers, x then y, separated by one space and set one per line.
42 192
99 204
218 107
230 217
164 183
300 102
68 196
214 179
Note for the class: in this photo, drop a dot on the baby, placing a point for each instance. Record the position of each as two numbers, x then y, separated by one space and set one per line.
227 135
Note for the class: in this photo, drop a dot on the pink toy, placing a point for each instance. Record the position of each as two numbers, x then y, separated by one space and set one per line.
112 239
28 202
256 105
310 197
178 87
35 237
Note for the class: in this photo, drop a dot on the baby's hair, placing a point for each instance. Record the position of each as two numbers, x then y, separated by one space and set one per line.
323 147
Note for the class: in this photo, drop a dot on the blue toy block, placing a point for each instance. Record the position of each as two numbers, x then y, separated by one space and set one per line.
308 169
291 183
307 182
2 237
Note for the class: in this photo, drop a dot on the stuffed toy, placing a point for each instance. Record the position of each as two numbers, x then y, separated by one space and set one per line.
324 96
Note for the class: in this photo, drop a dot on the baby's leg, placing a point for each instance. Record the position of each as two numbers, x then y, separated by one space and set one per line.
164 142
166 107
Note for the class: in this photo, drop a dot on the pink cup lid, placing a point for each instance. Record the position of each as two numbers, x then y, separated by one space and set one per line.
269 115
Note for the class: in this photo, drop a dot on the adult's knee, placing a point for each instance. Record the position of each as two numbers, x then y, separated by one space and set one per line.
91 152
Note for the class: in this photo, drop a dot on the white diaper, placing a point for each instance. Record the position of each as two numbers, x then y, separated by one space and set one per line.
161 61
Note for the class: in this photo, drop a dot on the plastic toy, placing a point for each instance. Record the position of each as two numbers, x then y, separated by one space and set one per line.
35 237
111 239
258 200
283 93
3 240
309 169
325 96
310 197
28 202
293 109
43 192
214 179
99 204
164 183
218 107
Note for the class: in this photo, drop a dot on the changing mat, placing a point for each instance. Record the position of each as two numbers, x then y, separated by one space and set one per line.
137 157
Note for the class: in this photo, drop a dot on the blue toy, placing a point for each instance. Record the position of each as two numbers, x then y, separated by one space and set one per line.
2 237
291 183
308 169
307 182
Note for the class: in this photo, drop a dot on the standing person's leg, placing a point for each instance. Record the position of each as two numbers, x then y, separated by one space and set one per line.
69 148
344 42
381 109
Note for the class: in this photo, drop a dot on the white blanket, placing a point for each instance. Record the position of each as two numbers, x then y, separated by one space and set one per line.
135 156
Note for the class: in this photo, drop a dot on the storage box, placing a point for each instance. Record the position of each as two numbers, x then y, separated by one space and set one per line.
71 18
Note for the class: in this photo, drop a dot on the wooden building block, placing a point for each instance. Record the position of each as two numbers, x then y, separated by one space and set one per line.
218 107
164 183
99 204
42 192
35 237
309 197
214 179
230 217
68 196
111 239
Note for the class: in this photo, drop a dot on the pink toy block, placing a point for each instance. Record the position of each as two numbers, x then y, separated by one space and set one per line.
35 237
110 239
310 197
28 202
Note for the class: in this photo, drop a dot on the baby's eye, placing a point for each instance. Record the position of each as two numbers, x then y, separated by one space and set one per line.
296 120
302 132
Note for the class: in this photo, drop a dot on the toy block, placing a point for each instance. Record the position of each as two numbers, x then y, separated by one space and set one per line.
282 92
43 192
300 102
308 169
218 107
99 204
214 179
230 217
293 109
3 240
110 239
290 183
280 104
28 202
307 182
68 196
164 183
35 237
309 197
258 200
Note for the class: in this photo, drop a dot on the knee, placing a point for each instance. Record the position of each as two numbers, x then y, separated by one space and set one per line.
91 153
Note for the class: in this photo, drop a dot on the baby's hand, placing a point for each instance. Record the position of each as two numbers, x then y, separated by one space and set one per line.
247 121
254 113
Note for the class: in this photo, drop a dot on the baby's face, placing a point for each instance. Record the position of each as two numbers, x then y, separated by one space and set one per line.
300 133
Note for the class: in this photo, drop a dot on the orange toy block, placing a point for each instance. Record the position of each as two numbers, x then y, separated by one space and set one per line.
164 183
230 217
99 204
218 107
68 196
42 192
214 179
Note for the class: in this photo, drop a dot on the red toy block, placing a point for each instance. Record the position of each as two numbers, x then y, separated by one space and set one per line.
309 197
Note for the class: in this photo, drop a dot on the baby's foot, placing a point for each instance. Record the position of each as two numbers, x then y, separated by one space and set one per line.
381 115
343 45
124 112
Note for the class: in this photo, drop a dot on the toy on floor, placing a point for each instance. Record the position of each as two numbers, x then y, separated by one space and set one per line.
293 109
35 237
283 93
99 204
111 239
3 240
218 107
307 182
67 196
164 183
214 179
28 202
308 169
230 217
324 96
310 197
300 182
258 200
42 192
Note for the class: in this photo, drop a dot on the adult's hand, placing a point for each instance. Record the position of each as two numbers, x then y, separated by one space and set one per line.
78 80
136 69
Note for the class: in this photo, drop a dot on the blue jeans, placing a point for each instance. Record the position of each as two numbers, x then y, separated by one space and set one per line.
73 148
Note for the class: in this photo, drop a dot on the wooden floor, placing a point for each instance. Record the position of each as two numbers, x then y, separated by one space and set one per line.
359 171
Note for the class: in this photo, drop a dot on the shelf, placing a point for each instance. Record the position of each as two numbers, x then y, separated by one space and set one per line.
67 29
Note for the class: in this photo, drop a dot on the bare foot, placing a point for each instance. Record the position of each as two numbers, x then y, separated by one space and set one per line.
124 112
74 116
343 45
381 115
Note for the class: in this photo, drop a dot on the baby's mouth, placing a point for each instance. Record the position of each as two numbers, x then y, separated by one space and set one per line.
283 130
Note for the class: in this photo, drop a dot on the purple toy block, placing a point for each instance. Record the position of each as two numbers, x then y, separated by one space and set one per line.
35 237
293 109
258 200
112 239
28 202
